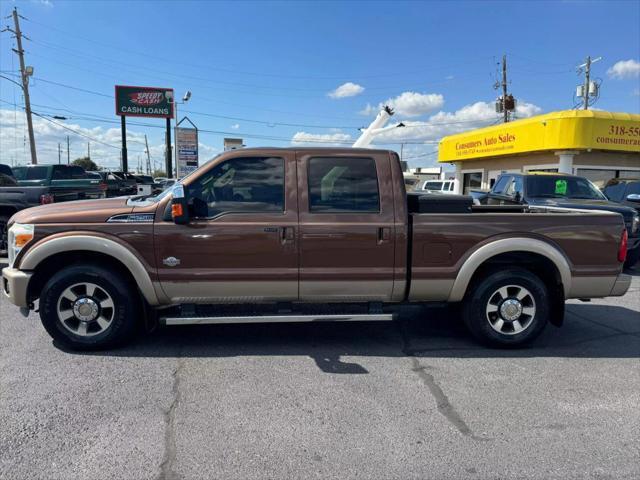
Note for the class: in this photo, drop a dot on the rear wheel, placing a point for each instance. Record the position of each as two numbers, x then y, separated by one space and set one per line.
87 307
507 308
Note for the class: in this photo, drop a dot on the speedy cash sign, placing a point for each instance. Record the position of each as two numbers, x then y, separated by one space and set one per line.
144 101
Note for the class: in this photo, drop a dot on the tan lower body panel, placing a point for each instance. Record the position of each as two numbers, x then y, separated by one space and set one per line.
430 290
593 287
231 291
346 290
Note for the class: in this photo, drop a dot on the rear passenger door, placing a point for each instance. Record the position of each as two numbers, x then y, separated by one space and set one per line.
346 227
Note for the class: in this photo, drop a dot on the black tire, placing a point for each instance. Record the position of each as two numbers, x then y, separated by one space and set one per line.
484 296
4 234
123 316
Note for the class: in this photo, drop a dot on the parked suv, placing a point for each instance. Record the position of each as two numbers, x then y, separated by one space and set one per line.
439 186
563 190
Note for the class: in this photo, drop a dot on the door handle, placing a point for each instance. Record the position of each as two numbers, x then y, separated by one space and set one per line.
384 234
287 234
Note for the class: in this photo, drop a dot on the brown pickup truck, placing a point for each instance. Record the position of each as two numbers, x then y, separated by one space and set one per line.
286 235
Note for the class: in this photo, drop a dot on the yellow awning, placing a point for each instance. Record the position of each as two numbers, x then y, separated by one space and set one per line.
564 130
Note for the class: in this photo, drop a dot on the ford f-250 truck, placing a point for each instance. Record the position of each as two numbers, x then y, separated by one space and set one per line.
286 235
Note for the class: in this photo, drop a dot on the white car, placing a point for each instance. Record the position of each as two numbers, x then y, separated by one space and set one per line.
439 186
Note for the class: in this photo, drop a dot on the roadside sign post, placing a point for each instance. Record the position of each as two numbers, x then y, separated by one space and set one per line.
186 148
125 161
150 102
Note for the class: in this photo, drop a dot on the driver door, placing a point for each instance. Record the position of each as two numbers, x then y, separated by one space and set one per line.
240 243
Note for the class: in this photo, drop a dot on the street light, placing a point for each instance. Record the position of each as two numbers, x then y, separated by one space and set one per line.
185 99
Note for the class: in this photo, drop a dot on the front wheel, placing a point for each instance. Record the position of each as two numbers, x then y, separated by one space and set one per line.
507 308
88 307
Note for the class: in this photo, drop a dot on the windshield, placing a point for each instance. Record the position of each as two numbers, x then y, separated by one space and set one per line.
541 186
170 187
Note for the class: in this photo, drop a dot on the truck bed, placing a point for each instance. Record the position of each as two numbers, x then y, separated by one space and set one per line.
442 242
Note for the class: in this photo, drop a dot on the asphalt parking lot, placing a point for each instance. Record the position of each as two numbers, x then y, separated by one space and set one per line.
414 398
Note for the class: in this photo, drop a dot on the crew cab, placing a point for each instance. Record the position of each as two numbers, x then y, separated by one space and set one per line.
563 190
287 235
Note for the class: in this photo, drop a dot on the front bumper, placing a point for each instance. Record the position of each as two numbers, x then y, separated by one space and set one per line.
621 285
15 284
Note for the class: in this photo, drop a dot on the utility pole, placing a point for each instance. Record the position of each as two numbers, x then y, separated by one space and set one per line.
586 88
89 150
68 152
25 72
505 112
59 153
146 143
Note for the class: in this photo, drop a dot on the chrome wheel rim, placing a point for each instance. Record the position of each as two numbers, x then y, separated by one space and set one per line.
85 309
511 309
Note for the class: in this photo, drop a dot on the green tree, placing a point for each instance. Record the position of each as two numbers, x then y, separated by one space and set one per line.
159 173
86 163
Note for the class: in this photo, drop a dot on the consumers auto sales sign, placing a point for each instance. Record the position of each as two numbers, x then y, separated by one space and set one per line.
144 101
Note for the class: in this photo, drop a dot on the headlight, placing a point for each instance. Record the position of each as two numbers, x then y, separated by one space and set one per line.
634 223
19 235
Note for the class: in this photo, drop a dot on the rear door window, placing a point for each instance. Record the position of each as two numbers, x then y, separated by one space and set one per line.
61 173
343 185
77 172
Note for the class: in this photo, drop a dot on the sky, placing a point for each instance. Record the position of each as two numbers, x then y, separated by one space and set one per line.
304 73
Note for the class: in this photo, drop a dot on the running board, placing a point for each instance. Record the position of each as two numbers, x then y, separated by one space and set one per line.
378 317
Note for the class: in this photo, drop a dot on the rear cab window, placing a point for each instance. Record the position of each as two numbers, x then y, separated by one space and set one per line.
343 185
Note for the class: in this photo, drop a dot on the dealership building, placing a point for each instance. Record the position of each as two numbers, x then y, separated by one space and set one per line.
595 144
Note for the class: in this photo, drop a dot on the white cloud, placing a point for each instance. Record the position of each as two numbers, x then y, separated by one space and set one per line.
471 116
430 131
636 92
625 69
409 104
235 126
304 138
348 89
14 143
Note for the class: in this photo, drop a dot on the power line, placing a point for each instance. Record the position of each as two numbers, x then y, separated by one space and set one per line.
263 122
147 55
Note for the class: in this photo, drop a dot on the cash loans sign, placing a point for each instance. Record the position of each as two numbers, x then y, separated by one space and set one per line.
144 101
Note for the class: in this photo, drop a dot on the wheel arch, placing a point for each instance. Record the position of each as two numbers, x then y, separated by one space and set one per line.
516 249
87 248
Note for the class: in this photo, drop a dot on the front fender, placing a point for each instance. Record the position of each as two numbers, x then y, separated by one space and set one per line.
84 242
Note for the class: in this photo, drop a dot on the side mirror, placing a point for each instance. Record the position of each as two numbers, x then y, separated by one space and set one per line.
179 205
634 197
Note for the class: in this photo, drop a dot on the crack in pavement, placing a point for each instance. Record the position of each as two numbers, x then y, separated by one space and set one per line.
443 404
169 457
